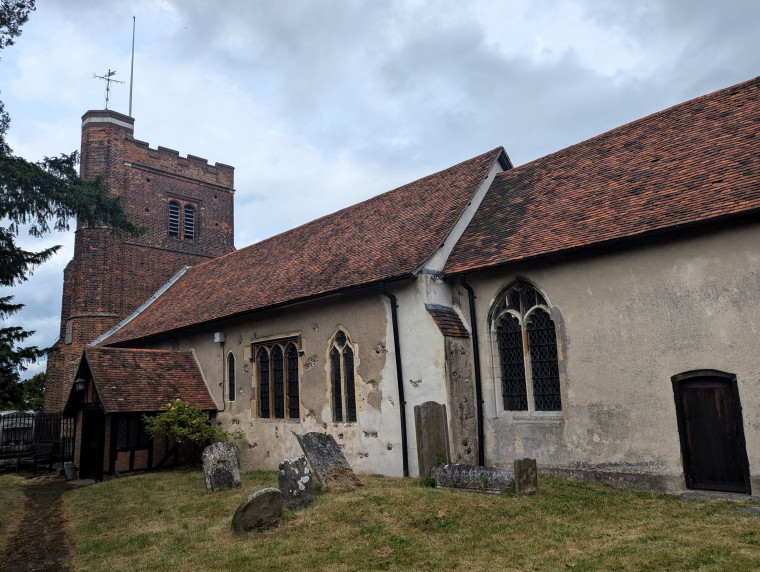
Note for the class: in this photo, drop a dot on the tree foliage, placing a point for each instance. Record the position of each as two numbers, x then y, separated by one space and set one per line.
38 197
184 422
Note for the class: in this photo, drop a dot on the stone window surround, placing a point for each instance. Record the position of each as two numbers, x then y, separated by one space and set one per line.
531 415
267 344
334 345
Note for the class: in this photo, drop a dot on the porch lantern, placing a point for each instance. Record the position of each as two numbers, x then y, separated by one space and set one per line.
79 384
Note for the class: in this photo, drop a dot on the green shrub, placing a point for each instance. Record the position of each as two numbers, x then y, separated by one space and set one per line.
184 422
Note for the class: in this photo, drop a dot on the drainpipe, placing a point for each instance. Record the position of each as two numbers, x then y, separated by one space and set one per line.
399 378
476 360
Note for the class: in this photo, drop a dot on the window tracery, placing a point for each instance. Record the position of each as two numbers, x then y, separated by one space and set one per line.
342 379
278 379
526 340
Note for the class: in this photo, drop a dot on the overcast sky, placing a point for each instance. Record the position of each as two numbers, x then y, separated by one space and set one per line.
321 104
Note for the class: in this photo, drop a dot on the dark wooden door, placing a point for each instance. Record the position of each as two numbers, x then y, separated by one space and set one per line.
93 439
712 432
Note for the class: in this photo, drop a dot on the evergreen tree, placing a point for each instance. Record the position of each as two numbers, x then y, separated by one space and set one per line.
38 197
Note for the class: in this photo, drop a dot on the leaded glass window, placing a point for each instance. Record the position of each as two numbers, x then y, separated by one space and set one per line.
278 383
231 377
278 369
512 360
264 383
294 404
342 379
542 341
130 432
526 340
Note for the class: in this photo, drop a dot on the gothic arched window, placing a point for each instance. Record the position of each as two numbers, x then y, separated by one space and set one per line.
527 344
342 379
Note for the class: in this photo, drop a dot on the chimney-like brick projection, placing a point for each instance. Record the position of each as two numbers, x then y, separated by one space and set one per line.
110 276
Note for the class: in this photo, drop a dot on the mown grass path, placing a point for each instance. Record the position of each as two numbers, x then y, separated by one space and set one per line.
41 542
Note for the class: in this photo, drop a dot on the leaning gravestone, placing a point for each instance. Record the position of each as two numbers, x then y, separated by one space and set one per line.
220 467
295 483
526 477
328 462
261 510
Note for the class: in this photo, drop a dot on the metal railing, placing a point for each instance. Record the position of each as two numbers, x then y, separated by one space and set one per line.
20 432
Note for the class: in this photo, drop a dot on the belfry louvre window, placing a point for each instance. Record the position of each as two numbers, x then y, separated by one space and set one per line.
527 346
278 380
188 224
342 379
174 219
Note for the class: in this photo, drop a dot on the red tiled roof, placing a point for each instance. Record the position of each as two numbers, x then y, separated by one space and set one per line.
129 380
448 321
694 162
383 238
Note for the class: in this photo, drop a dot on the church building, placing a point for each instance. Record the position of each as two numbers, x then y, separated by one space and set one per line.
582 309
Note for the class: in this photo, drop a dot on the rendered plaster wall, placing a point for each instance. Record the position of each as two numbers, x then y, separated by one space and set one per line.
423 355
627 322
372 444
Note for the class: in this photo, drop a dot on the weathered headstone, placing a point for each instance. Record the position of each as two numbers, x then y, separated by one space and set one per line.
471 478
261 510
220 467
295 483
526 477
432 436
328 462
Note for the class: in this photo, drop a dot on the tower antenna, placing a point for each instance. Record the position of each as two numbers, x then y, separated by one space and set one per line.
132 68
108 79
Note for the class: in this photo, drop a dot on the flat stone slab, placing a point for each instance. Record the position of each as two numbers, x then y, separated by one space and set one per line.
471 478
328 462
261 510
296 483
220 467
432 436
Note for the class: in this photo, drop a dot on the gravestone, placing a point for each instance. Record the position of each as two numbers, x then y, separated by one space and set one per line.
472 478
328 462
220 467
261 510
526 477
432 436
295 483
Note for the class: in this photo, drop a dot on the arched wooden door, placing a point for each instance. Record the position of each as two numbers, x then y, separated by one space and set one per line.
711 429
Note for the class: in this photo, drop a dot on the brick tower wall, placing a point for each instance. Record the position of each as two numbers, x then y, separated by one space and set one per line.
110 276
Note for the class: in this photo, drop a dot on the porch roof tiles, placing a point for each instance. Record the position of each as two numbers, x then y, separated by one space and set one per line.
131 380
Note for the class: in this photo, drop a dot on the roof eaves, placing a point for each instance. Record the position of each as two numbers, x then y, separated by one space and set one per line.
604 244
361 286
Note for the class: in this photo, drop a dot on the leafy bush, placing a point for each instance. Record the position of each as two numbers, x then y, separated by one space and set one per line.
184 422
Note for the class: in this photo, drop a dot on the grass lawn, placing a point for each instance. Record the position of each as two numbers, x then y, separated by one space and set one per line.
167 521
11 502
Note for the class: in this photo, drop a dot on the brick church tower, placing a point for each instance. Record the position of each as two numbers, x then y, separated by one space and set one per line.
187 207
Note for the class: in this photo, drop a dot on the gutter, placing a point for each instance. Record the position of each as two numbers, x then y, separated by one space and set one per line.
476 361
399 378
